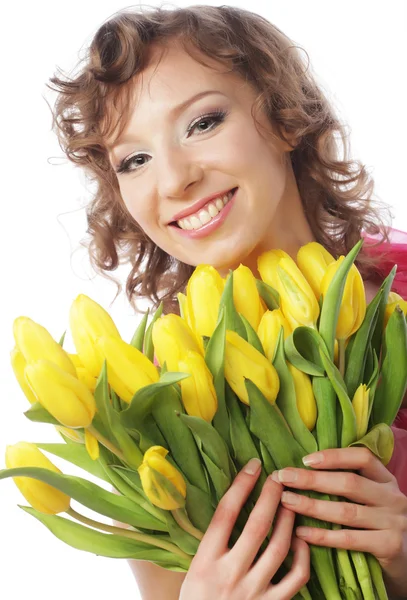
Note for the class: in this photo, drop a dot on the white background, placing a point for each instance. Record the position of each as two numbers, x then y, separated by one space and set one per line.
357 50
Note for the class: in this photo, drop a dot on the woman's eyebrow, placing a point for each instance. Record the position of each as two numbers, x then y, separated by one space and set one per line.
175 110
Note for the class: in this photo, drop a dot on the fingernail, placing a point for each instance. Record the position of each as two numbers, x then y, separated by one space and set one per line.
313 459
286 475
274 476
303 531
252 466
289 498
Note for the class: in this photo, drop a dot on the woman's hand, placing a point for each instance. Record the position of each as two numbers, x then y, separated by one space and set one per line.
378 506
228 574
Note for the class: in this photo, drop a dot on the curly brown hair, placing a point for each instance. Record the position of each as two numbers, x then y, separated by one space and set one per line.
336 193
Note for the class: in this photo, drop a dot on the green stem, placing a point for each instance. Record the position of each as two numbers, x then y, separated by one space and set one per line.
181 518
342 349
377 576
134 535
363 574
106 443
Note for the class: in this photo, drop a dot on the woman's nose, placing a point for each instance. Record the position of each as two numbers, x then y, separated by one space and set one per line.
176 171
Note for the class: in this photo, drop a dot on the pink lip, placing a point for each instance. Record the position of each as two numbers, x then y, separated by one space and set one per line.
195 207
209 227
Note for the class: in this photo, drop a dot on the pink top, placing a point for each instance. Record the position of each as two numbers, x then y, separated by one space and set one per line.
396 253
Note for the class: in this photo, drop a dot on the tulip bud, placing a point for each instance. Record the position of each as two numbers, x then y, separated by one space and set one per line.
246 297
183 308
198 391
394 300
64 396
89 321
269 330
297 299
267 266
306 404
35 342
40 495
243 361
313 260
19 364
353 306
92 445
82 373
360 405
172 338
204 291
128 369
155 489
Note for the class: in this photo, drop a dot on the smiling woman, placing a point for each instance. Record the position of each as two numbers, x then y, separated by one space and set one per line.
210 142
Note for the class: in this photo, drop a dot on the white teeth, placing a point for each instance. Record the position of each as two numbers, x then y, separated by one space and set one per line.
212 210
205 215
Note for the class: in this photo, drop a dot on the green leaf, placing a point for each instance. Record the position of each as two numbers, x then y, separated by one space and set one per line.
178 436
38 414
213 445
221 482
333 299
270 296
137 340
355 366
180 537
377 337
380 441
287 400
233 320
215 360
269 425
142 402
252 336
199 507
393 382
348 433
104 544
148 340
325 398
62 339
302 350
77 455
91 495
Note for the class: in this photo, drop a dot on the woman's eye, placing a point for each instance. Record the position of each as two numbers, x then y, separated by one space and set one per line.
214 119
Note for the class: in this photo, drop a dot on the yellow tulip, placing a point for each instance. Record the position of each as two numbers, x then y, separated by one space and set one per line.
243 361
19 364
313 260
360 403
267 266
92 445
172 338
154 460
64 396
183 308
353 306
306 403
269 330
128 369
35 342
246 297
89 321
204 290
198 391
82 373
394 300
298 301
40 495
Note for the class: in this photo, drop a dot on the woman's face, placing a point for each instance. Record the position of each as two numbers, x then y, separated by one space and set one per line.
179 150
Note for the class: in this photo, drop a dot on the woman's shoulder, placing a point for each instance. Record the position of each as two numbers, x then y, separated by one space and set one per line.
392 252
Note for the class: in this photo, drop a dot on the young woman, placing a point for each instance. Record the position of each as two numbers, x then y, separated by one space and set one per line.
210 142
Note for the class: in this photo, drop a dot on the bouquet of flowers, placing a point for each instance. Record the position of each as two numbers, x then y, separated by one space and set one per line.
274 368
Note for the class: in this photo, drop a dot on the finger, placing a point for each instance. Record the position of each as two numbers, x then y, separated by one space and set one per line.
381 546
359 459
344 513
215 541
296 578
277 549
341 483
258 526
